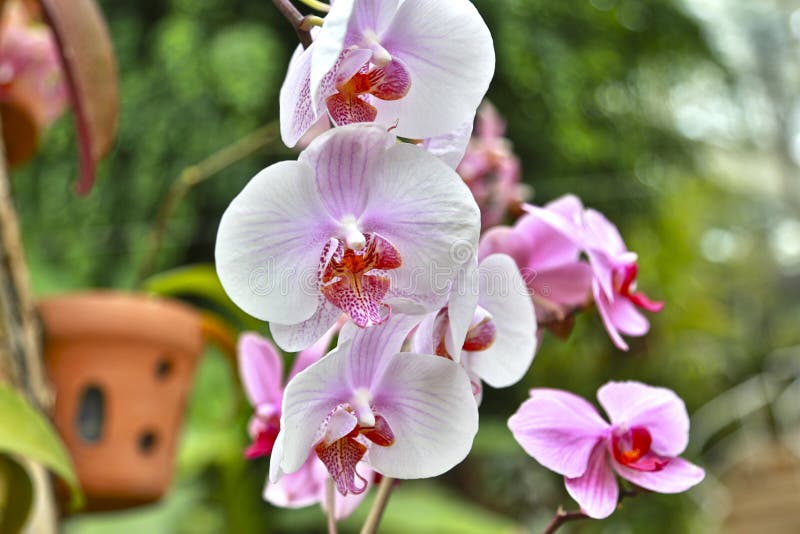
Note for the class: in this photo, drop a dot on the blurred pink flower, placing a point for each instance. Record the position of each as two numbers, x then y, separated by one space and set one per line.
490 168
614 267
30 70
550 262
649 429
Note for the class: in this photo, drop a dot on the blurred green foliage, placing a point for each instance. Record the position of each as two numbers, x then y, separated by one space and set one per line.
585 86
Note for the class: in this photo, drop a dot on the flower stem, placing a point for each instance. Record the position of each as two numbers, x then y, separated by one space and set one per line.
378 506
330 496
561 517
296 19
195 174
316 4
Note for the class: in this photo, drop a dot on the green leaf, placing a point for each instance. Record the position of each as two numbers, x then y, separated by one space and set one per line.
26 432
16 496
200 281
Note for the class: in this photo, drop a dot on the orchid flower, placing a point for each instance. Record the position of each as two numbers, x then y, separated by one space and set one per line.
30 70
358 225
420 65
488 325
261 371
490 168
614 267
550 262
649 429
407 415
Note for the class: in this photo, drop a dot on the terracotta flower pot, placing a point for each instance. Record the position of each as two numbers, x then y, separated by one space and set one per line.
121 367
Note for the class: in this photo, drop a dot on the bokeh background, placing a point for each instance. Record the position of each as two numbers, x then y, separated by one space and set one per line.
678 119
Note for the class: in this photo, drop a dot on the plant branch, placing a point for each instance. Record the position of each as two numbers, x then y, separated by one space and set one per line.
561 517
378 506
330 497
195 174
296 19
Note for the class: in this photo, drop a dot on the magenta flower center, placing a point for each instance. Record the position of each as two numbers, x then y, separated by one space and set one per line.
342 456
625 285
264 433
355 281
388 82
631 448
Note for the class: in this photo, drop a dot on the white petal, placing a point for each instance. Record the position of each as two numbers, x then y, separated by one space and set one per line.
461 308
297 114
345 162
450 56
425 210
504 295
450 147
427 402
329 44
300 336
308 399
269 242
371 349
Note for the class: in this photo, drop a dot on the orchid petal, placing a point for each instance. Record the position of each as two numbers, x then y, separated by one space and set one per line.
558 429
299 336
504 296
346 162
269 243
297 114
329 45
603 306
596 490
450 147
312 353
427 402
602 234
372 349
659 410
260 368
461 308
298 489
308 400
449 54
426 211
677 476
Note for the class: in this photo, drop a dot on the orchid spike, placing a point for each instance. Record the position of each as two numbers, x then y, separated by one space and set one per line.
614 267
347 229
649 429
420 65
488 325
406 415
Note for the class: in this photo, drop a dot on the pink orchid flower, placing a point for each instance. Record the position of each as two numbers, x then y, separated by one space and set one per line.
420 65
550 262
649 429
614 267
358 225
490 168
30 71
488 326
406 415
261 371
